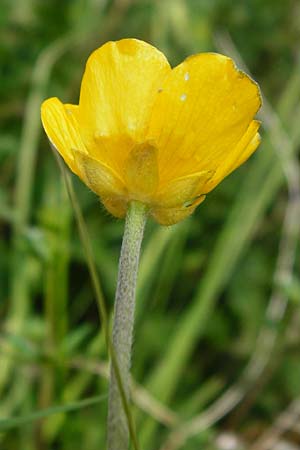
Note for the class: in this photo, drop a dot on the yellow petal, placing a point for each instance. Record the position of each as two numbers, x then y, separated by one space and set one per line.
249 150
111 150
170 216
62 129
141 171
246 146
99 177
202 111
182 190
116 206
118 89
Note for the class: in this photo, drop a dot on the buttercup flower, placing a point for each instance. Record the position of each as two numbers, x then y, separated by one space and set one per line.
144 131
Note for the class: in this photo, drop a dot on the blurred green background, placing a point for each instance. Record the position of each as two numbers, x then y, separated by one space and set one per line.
216 356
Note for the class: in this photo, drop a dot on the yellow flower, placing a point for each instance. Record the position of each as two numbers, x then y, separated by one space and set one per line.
143 131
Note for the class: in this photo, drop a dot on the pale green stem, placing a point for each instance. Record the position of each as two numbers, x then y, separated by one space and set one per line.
118 433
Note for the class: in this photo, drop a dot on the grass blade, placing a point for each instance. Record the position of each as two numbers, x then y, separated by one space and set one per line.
6 424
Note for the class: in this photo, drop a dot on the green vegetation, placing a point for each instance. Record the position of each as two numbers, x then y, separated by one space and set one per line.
218 319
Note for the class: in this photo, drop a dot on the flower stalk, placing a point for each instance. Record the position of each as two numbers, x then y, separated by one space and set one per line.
118 433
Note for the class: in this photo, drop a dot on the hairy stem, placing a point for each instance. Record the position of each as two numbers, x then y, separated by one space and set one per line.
118 433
